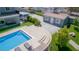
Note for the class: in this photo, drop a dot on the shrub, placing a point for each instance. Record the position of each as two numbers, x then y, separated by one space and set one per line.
76 24
35 21
1 22
76 28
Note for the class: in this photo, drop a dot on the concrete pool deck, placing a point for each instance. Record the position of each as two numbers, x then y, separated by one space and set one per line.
41 38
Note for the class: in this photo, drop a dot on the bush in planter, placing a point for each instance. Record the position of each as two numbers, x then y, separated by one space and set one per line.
29 18
35 21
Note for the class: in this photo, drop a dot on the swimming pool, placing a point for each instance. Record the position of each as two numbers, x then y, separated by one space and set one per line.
12 40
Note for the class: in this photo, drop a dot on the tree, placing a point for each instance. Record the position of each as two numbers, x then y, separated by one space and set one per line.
63 37
60 40
69 22
76 24
29 18
36 22
1 22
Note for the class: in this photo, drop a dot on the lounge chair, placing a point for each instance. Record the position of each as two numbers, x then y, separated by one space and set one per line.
27 45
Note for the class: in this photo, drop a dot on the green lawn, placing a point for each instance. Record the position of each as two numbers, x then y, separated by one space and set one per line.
10 28
76 39
53 46
27 24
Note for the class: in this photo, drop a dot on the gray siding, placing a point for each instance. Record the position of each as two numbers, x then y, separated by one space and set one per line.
54 21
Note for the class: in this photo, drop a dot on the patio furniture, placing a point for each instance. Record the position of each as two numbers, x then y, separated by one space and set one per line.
72 34
27 45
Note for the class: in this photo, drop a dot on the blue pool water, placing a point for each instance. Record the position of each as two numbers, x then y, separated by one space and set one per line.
12 40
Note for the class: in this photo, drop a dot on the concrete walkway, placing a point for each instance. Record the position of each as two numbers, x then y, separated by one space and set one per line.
47 26
74 44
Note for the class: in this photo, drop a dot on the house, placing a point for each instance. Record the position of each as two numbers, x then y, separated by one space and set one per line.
57 19
51 9
75 14
8 15
12 19
11 16
23 16
56 10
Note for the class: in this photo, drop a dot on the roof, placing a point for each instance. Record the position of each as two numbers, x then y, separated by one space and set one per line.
75 13
57 15
7 16
73 17
23 13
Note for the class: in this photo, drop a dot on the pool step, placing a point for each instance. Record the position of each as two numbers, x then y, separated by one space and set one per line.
21 48
18 49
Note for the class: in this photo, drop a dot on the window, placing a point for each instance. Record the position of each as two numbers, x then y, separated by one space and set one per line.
58 21
7 8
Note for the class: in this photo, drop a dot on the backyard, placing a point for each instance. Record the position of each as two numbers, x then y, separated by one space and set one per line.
54 46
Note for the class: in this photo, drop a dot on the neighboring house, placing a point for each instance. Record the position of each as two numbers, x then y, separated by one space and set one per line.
59 19
23 16
10 19
51 9
8 15
11 16
39 8
56 10
75 14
